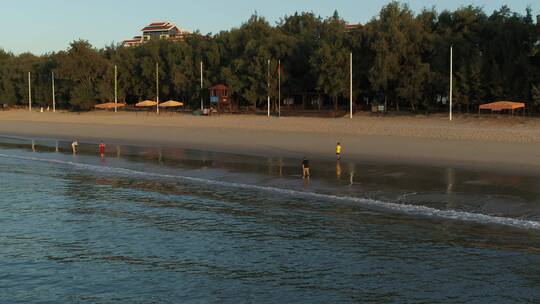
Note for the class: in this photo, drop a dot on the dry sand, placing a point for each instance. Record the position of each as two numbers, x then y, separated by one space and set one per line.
502 143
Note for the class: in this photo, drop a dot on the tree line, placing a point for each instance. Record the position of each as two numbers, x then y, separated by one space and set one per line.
400 58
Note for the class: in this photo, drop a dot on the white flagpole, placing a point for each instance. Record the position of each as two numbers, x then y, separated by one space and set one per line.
451 80
350 89
268 87
29 92
157 87
279 88
202 103
53 94
115 88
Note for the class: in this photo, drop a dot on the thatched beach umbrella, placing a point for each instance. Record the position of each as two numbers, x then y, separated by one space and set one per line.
146 103
171 104
109 105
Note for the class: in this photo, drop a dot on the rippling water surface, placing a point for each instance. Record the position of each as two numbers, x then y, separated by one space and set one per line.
149 225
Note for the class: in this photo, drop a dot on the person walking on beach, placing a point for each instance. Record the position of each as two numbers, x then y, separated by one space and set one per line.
102 149
338 151
74 146
305 168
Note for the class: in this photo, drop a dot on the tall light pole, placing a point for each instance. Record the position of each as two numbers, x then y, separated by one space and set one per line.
200 93
29 92
115 88
157 87
350 88
268 88
451 79
53 94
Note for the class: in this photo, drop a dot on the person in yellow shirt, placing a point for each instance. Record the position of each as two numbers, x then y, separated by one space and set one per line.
338 151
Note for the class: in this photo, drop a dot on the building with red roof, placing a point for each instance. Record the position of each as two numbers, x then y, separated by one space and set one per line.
352 27
158 30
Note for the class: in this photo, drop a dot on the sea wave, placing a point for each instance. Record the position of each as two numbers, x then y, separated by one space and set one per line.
414 210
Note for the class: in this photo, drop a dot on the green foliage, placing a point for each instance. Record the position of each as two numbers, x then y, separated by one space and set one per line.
535 92
398 55
330 61
8 92
84 69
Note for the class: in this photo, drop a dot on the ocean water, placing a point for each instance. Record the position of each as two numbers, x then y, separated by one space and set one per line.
163 225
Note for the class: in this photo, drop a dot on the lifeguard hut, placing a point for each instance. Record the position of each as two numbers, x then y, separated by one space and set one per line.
219 96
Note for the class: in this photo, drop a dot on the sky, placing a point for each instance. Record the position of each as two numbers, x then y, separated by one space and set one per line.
42 26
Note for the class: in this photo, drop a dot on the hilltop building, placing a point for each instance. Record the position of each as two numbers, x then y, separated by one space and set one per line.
158 30
352 27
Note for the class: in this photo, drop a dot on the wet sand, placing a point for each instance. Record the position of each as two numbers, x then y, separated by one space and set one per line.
488 142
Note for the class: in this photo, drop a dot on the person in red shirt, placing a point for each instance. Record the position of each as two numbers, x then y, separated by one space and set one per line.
102 149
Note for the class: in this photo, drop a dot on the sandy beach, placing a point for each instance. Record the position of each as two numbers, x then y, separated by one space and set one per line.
488 142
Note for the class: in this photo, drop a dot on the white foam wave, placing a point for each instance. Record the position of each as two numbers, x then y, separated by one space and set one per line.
414 210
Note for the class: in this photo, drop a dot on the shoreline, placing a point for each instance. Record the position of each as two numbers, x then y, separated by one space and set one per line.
471 143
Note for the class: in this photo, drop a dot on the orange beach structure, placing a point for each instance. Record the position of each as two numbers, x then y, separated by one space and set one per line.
109 105
502 106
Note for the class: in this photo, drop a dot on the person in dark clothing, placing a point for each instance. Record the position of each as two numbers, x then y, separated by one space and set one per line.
305 168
